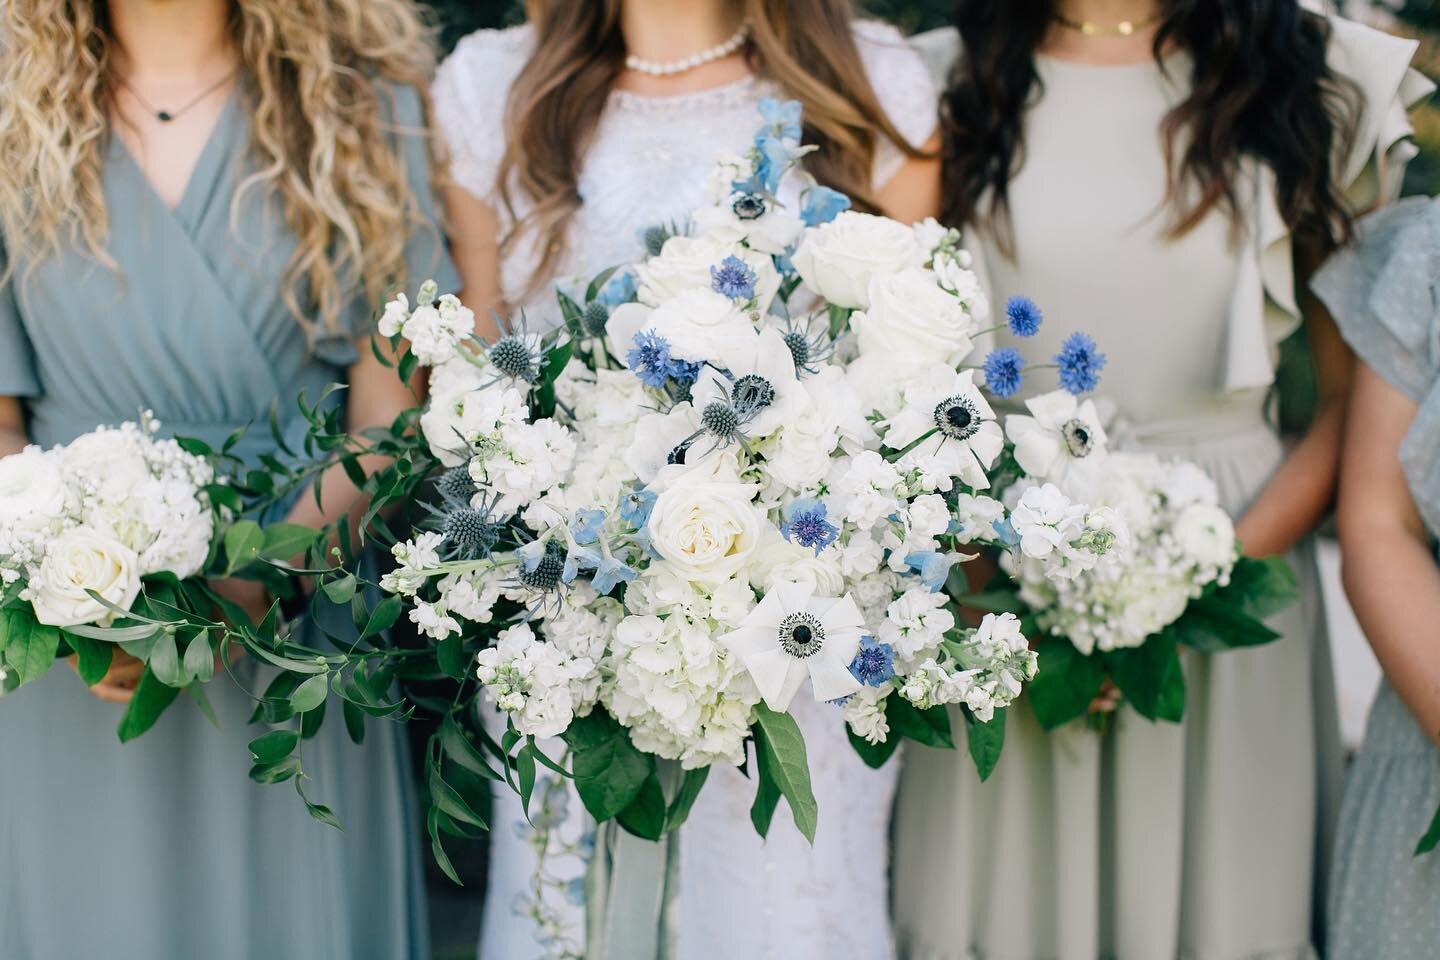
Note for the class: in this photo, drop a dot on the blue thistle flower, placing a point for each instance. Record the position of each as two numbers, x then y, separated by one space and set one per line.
1024 317
635 507
1080 363
1003 372
804 523
821 205
874 664
733 278
650 358
933 567
585 525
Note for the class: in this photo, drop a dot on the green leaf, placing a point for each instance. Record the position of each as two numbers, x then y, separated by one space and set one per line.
382 618
242 544
408 363
685 797
609 770
1211 625
273 746
164 660
131 634
150 700
993 601
1065 684
30 646
930 727
311 721
986 741
874 754
457 746
285 540
767 796
448 801
593 288
341 590
92 657
1260 588
525 776
1432 836
645 816
199 661
319 811
198 448
450 655
354 721
310 694
783 750
437 849
277 772
1150 677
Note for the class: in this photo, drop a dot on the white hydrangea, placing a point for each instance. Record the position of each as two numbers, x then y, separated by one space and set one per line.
533 681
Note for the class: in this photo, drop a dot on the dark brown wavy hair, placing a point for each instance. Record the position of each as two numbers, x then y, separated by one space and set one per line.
1260 87
804 46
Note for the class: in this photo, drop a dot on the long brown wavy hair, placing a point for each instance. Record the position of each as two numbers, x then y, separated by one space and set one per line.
804 46
317 125
1260 87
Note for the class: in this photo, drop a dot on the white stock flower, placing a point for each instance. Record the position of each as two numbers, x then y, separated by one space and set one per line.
1044 519
915 622
78 561
1206 534
838 259
532 680
864 488
433 621
975 517
865 713
461 420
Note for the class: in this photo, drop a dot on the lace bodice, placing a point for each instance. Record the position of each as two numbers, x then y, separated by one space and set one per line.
650 155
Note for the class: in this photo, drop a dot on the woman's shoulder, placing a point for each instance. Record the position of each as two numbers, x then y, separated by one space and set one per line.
469 95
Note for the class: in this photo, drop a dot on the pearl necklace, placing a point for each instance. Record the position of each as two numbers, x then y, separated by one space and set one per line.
672 67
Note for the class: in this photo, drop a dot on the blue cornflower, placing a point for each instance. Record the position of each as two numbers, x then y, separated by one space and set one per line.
635 507
821 205
1024 317
933 567
874 664
585 525
685 372
782 116
1080 363
1003 372
620 288
733 278
650 358
806 525
608 573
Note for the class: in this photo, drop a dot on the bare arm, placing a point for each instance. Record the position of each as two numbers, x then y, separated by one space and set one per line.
914 192
12 426
475 246
1300 493
1390 575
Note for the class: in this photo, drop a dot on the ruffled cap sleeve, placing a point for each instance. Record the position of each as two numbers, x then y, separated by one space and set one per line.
1384 292
470 92
906 92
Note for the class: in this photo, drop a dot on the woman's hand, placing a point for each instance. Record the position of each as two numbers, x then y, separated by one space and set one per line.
119 683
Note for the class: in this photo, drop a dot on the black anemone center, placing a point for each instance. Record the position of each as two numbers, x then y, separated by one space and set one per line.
1078 439
957 418
752 393
677 455
801 635
749 206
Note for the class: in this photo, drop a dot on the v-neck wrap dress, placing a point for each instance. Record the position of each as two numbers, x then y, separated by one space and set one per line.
162 847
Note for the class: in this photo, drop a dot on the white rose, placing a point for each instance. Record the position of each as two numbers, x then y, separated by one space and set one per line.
699 324
685 262
913 322
32 490
780 561
81 560
706 529
1206 534
837 260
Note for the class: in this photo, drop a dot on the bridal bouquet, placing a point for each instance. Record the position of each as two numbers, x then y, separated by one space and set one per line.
1170 575
102 544
742 474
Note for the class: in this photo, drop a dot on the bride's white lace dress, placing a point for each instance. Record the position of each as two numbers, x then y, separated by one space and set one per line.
739 895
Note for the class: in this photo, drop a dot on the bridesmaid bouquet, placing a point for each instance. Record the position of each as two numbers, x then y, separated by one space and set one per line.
1171 574
750 461
103 542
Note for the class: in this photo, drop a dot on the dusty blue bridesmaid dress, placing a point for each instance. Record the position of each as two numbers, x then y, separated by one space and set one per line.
1384 901
162 848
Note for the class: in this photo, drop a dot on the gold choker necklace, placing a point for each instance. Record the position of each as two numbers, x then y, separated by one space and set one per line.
1124 28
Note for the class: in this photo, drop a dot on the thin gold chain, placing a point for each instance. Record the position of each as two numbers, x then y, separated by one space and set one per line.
1124 28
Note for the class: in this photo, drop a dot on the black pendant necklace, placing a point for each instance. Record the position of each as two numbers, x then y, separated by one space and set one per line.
165 116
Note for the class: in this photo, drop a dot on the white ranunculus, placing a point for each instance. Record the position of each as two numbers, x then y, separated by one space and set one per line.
685 263
1206 534
32 490
837 260
81 560
706 530
912 322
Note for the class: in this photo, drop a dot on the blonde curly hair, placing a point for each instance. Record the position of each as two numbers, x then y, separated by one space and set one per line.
317 132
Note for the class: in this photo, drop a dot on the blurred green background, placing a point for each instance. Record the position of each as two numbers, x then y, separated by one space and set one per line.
455 912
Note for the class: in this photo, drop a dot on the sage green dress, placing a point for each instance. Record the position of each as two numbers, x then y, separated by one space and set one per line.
1384 901
162 848
1153 841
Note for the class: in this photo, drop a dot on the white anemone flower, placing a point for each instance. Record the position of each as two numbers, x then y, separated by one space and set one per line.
963 438
762 386
1060 431
792 634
